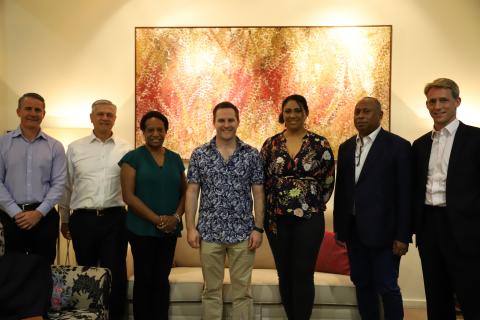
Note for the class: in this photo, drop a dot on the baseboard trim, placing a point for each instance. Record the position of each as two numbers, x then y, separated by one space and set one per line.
414 303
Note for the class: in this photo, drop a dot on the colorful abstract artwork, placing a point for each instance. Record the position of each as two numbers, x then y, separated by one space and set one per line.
185 72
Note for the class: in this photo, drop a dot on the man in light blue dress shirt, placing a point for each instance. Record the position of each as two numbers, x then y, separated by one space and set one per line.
32 181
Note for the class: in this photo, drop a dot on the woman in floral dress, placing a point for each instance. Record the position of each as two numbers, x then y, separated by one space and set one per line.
300 173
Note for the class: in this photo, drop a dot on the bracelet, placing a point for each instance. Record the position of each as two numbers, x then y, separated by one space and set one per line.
177 216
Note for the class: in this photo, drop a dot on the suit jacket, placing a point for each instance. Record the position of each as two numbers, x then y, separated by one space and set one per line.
382 196
462 187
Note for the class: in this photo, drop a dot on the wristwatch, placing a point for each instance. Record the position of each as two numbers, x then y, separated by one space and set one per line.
255 228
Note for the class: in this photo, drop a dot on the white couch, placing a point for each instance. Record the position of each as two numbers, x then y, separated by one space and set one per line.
334 294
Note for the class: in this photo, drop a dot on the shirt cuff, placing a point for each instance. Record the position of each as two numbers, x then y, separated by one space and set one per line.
13 210
43 209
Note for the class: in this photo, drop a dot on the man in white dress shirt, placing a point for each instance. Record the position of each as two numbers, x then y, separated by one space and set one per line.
447 205
92 210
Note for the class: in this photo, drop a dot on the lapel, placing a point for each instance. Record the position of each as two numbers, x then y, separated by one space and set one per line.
350 158
424 157
374 154
457 147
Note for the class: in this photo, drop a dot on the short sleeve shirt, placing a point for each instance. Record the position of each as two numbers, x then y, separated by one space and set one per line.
158 187
226 197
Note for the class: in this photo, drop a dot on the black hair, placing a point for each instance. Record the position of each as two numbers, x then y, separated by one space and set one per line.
153 114
302 102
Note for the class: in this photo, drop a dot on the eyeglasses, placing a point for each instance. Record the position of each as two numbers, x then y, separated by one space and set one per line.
358 155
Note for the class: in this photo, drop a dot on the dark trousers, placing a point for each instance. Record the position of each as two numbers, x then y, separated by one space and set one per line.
102 241
446 270
25 286
374 271
152 262
295 248
40 240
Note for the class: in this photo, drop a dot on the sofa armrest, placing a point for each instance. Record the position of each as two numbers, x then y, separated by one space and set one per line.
81 288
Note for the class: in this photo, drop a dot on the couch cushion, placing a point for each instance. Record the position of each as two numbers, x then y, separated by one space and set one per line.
186 285
80 288
61 294
332 258
73 314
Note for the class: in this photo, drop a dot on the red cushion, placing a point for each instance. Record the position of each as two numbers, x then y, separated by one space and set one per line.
332 258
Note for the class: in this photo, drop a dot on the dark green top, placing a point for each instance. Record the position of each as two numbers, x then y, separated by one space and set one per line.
158 187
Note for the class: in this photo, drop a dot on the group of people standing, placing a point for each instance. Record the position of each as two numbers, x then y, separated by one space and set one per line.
386 190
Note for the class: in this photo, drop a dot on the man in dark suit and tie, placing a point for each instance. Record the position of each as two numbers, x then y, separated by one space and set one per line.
447 206
372 210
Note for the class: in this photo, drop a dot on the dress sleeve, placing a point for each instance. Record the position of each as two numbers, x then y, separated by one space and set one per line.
130 158
326 173
180 165
266 155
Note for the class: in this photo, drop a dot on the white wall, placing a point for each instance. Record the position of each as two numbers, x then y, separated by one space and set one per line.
74 52
3 92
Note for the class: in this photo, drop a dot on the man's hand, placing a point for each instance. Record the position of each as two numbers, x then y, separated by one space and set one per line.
28 219
65 231
399 248
255 240
193 238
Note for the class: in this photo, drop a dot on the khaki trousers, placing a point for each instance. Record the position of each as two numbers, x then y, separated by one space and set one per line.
241 259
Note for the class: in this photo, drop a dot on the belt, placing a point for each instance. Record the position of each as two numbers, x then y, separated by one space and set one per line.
100 212
28 206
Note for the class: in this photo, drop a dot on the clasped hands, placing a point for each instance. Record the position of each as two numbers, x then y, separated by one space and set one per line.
167 224
26 220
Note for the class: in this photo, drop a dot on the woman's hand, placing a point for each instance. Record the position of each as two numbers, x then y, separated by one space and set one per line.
167 224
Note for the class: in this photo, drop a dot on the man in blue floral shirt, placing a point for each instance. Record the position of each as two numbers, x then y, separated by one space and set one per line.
228 172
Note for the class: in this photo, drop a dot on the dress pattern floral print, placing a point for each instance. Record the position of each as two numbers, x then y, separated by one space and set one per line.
299 186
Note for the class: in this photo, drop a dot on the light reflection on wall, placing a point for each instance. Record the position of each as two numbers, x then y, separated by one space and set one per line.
67 135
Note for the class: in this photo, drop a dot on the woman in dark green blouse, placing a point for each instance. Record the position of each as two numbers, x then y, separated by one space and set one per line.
153 187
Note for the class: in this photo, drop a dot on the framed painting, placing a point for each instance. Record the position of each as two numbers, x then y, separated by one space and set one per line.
184 72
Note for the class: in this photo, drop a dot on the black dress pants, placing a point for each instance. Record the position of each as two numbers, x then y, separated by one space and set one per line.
40 240
446 270
102 241
295 248
152 262
25 286
374 271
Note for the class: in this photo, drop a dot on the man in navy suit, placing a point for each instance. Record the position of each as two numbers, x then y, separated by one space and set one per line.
447 206
372 210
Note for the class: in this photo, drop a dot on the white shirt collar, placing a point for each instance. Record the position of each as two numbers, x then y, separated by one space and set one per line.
93 138
371 136
449 129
